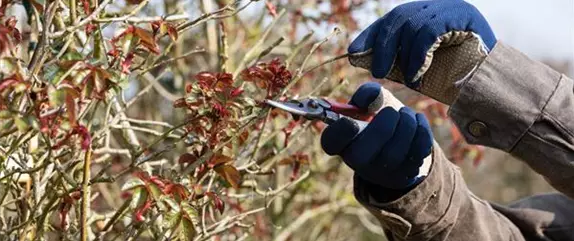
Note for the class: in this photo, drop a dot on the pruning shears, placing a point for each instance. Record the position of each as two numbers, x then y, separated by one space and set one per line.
324 110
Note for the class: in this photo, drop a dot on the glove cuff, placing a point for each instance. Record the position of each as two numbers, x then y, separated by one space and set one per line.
453 57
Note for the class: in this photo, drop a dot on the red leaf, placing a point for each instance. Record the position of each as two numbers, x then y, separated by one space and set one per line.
243 137
83 132
219 159
177 190
71 109
295 172
125 195
236 92
7 83
187 158
11 22
172 32
63 213
226 78
90 28
155 25
217 202
272 76
230 174
179 103
134 1
127 63
140 212
188 88
114 52
86 5
220 110
286 161
289 129
205 79
271 8
157 181
76 195
146 39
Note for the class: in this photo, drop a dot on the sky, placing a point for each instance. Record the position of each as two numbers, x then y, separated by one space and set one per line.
542 29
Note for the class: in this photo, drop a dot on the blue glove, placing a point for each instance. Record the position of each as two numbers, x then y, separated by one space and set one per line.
391 149
411 32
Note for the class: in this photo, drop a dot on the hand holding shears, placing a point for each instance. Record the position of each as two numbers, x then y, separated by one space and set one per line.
324 110
385 146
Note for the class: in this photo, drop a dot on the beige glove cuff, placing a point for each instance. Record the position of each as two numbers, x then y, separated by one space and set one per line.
452 58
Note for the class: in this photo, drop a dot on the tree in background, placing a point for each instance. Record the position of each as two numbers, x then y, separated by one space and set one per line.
143 120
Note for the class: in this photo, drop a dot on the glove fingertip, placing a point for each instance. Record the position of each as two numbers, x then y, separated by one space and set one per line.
365 40
368 97
337 136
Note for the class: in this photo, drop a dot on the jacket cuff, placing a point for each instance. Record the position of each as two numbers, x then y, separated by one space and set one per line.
517 101
422 210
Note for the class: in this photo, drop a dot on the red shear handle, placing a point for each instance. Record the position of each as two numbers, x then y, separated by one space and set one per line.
350 111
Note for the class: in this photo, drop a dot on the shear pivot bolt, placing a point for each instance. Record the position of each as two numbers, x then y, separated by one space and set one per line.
313 104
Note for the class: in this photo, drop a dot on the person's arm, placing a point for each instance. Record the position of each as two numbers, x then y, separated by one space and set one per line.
439 208
499 97
403 178
523 107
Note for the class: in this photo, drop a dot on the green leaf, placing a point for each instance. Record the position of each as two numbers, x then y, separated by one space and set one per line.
133 183
7 125
57 97
7 67
189 211
72 55
139 197
5 114
155 191
51 72
172 220
20 87
187 229
33 121
170 202
99 50
21 124
127 42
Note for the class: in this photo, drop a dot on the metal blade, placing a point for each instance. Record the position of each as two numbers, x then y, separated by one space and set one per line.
296 108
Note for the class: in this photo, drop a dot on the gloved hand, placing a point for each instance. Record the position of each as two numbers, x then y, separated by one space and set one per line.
391 149
409 45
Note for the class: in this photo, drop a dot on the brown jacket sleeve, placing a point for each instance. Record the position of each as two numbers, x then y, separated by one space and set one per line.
439 208
522 107
514 104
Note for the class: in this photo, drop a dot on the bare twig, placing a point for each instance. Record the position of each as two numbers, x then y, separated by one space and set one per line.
85 195
85 21
256 49
309 214
167 61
